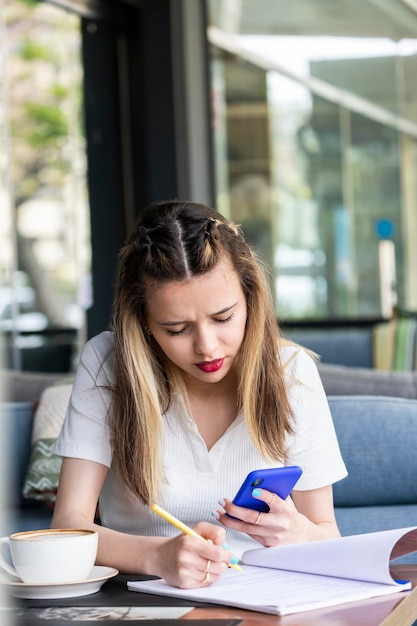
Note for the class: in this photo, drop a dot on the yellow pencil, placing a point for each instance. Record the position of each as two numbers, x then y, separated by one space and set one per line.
184 528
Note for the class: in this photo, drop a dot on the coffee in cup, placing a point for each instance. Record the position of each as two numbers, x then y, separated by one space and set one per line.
51 556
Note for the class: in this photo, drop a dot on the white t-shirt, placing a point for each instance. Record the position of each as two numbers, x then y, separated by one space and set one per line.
197 477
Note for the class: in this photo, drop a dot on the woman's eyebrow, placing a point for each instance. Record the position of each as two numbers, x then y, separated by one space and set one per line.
172 323
178 323
225 310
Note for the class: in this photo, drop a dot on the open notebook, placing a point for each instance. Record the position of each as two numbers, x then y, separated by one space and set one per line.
299 577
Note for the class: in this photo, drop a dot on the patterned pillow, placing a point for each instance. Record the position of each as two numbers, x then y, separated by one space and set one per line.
41 481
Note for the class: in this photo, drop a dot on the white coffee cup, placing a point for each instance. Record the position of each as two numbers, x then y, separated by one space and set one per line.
51 556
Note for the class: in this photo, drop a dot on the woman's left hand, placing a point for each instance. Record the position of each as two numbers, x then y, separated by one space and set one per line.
283 524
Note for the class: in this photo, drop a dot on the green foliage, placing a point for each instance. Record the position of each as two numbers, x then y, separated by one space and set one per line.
32 51
30 3
59 92
47 123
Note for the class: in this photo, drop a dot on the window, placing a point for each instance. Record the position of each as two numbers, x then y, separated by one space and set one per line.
315 144
44 237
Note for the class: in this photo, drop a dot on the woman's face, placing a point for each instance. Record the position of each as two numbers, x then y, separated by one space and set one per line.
200 323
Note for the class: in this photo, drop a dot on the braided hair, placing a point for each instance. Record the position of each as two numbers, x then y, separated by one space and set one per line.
176 241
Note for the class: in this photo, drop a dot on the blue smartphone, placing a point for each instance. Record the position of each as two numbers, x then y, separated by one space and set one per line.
279 480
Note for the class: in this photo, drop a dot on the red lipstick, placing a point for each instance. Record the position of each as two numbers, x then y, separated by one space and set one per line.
210 366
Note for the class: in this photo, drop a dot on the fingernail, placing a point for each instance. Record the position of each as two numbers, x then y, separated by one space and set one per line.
215 514
256 492
234 560
225 546
221 502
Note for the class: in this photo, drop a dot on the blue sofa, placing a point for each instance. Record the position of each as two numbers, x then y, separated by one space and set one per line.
378 439
350 346
377 436
21 392
16 430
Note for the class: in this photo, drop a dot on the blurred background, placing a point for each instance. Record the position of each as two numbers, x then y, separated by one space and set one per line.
297 119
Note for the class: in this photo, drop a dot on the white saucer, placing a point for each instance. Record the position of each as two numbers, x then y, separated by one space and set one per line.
41 591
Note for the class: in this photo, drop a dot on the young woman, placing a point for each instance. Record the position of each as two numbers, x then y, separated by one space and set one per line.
192 389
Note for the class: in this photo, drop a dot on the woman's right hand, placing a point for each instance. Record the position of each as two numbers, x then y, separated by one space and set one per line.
183 561
188 562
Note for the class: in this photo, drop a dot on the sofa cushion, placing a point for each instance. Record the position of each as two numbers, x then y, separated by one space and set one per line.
16 430
42 477
369 519
339 380
17 386
378 440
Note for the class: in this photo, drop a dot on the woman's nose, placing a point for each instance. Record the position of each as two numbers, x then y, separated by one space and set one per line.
205 342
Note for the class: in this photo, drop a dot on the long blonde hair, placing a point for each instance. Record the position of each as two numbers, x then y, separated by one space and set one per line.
175 241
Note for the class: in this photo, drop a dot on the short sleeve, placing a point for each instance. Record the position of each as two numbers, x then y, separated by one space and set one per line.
84 433
313 446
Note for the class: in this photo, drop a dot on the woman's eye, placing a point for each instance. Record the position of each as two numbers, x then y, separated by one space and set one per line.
224 321
175 333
